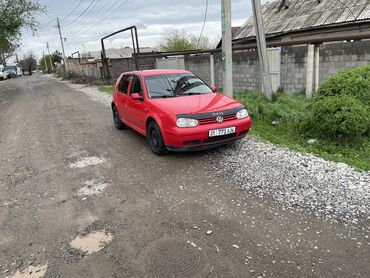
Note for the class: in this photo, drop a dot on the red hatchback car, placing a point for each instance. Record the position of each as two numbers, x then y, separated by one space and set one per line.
177 111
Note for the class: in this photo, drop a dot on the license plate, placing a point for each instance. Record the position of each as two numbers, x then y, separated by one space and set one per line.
221 131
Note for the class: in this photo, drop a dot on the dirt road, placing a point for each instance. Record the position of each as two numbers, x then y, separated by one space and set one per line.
79 198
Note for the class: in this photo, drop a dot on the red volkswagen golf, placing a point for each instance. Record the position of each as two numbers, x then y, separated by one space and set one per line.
177 111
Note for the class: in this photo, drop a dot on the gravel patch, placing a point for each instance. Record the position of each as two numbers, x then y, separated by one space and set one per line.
93 93
296 181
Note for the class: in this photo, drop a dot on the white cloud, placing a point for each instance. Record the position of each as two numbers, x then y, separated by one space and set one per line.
153 18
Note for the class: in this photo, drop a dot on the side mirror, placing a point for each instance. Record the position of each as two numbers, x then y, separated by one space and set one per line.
136 96
214 89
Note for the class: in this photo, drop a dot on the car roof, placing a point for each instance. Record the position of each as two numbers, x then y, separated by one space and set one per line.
158 72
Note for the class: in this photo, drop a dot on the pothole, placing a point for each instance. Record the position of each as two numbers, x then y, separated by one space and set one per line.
92 242
92 187
176 258
31 272
87 161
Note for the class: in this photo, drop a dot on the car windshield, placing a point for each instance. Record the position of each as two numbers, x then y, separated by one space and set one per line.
7 68
174 85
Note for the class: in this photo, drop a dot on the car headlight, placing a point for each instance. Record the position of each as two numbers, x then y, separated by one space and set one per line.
186 122
242 114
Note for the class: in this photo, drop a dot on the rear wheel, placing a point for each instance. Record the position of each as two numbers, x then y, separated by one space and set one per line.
155 139
117 121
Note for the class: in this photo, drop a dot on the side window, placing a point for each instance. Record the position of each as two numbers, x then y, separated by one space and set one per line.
136 86
123 84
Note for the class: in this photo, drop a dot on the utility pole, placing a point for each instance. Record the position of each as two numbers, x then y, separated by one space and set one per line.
262 49
227 60
64 55
16 58
46 64
51 62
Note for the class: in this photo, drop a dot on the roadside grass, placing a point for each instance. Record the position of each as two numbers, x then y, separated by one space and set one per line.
288 112
107 89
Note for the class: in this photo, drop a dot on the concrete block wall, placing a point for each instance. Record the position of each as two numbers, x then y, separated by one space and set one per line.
246 71
245 75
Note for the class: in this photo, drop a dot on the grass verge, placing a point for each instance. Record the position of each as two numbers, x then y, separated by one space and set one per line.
287 112
107 89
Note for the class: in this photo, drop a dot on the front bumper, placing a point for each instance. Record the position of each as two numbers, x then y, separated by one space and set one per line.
192 139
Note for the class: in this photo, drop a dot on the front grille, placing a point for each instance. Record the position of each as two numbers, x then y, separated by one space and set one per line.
213 119
219 138
191 143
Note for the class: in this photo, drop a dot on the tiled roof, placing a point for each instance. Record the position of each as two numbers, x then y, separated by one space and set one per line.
306 14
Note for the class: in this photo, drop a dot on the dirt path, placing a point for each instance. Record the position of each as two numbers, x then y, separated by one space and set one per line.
79 198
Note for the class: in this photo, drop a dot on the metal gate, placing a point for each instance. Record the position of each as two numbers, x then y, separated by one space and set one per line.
274 58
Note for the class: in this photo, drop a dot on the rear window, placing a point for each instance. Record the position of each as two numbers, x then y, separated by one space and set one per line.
13 68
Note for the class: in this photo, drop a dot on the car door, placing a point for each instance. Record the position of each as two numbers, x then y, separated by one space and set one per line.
122 96
137 110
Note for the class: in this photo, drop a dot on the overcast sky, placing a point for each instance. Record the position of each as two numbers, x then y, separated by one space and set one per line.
154 18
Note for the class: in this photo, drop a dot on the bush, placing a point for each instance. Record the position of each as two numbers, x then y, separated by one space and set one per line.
341 107
338 117
353 82
283 108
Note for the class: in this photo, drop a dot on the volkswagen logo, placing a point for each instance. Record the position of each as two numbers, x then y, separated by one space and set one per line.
219 119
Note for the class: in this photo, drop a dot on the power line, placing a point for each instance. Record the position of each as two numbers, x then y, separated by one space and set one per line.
88 7
204 23
95 16
104 16
75 8
78 22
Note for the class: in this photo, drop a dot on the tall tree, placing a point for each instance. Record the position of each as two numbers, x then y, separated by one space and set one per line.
15 15
176 41
202 43
28 63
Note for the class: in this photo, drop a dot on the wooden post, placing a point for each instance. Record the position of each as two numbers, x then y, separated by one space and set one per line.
227 61
262 49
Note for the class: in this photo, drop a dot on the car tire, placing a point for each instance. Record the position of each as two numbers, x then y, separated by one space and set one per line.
155 139
116 119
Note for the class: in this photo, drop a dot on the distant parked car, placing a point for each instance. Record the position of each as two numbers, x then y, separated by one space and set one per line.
177 111
12 71
3 73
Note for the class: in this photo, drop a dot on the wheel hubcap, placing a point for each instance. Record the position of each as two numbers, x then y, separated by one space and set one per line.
154 137
115 117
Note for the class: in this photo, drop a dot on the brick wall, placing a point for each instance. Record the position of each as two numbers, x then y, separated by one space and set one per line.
246 71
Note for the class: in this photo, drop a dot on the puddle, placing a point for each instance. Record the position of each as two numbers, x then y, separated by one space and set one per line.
92 187
87 161
93 242
31 272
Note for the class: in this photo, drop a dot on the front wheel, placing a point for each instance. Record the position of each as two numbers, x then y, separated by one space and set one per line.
155 139
117 121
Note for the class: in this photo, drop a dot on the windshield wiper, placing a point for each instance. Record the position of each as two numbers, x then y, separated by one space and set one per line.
164 96
190 94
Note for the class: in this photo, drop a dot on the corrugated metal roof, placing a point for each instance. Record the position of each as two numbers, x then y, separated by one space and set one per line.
306 14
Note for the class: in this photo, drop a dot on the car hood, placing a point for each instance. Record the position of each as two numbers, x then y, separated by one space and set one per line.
196 104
